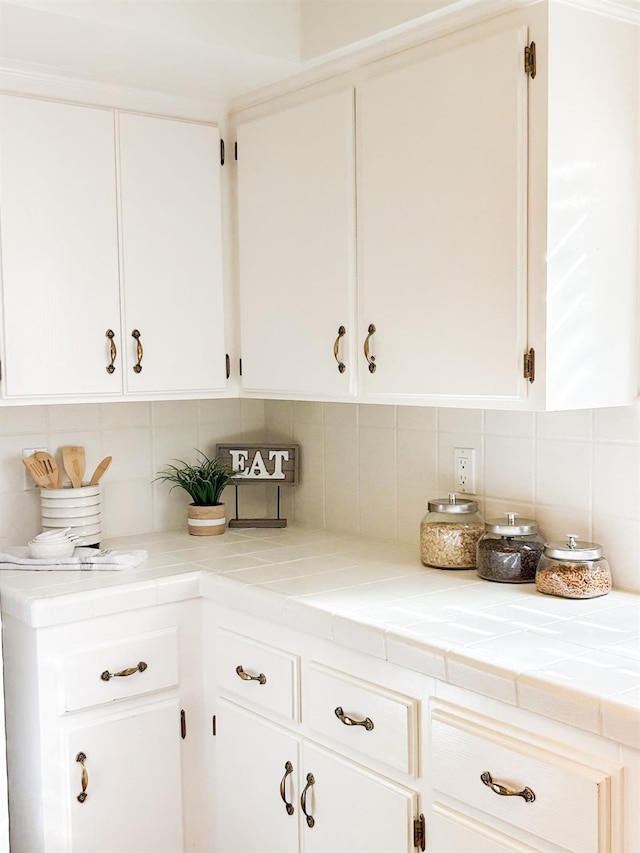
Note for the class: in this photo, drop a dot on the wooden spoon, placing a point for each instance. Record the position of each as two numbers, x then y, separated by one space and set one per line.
73 459
43 469
100 470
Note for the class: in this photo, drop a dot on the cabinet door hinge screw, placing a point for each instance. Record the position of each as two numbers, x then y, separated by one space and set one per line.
530 365
419 833
183 724
530 59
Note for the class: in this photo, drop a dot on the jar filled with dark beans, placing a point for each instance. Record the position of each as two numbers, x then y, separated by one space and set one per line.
509 550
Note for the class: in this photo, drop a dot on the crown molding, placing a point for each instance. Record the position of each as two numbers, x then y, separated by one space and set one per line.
19 78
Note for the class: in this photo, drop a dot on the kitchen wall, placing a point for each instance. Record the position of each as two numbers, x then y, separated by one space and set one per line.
366 469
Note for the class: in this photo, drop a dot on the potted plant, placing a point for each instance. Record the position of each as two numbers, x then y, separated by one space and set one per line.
204 481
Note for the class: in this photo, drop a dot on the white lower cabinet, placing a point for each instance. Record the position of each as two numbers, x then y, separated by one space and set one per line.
497 787
283 792
104 733
124 789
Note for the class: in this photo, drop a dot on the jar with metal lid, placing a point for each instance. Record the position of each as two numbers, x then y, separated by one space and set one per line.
509 550
449 533
573 569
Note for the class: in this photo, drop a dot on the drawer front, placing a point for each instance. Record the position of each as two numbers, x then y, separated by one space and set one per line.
556 798
121 669
337 704
258 674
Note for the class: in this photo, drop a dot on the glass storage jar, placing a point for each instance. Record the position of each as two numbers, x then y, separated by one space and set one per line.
509 550
449 533
573 569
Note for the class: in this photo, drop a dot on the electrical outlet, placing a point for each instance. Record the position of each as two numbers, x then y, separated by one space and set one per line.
464 469
27 451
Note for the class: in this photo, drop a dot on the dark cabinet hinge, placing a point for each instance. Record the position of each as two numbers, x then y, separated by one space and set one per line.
419 833
222 152
235 151
183 725
213 725
530 59
240 365
228 365
530 365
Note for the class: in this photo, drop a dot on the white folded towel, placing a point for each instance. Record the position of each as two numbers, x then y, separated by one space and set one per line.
105 559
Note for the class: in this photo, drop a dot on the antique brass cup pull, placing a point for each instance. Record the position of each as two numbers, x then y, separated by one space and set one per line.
137 368
262 678
371 359
113 352
303 800
84 779
526 793
349 721
288 770
106 675
336 349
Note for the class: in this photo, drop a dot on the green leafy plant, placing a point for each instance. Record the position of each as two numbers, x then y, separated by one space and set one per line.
204 480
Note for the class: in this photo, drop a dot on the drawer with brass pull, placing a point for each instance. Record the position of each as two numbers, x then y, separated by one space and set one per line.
258 674
120 669
362 716
528 783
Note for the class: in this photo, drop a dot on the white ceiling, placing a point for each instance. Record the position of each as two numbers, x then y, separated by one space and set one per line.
202 48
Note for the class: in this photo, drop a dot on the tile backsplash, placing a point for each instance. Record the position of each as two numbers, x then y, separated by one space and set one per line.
363 469
372 469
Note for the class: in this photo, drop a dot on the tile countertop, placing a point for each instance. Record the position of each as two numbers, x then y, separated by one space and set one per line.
573 661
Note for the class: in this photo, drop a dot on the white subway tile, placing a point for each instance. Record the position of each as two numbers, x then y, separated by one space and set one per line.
509 467
573 424
23 420
460 420
174 413
377 416
510 423
74 418
125 415
616 480
377 482
421 418
563 473
619 424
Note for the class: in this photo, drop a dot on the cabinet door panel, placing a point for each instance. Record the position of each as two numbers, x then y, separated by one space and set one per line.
59 248
133 802
171 251
296 209
250 764
354 809
442 222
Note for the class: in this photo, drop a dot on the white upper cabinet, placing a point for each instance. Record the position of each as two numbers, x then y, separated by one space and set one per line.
442 222
59 248
497 216
171 255
296 223
110 225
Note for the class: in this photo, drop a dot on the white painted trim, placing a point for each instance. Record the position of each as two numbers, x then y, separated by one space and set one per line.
412 33
18 78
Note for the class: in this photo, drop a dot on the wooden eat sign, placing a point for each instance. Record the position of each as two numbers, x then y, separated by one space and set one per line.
260 464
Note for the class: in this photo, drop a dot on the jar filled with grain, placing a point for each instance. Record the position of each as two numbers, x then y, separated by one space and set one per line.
509 550
449 533
573 569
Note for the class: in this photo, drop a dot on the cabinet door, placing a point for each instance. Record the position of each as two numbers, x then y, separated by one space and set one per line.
451 830
442 222
171 255
251 755
133 794
354 809
296 219
59 248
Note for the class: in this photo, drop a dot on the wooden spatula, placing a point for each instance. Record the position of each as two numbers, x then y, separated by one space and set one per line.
43 469
100 470
73 459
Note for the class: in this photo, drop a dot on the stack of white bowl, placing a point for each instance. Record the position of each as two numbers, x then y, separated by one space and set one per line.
77 509
53 544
